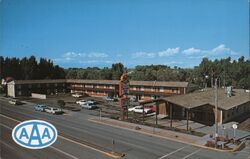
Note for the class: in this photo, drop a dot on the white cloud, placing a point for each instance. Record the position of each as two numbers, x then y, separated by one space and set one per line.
143 55
73 55
164 53
78 57
169 52
220 50
191 51
97 55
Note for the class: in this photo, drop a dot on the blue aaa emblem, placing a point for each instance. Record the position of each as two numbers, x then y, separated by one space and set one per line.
34 134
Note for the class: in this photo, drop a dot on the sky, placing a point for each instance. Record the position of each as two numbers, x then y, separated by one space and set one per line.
97 33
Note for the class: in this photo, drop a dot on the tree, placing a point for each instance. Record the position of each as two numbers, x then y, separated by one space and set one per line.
117 70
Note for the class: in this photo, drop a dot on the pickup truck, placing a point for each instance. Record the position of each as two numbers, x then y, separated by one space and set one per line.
139 109
110 99
15 102
88 106
53 110
77 95
40 107
82 102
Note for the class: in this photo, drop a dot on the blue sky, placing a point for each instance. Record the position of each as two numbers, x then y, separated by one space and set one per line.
82 33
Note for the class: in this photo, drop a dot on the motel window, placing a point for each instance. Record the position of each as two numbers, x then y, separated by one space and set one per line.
237 109
161 89
19 86
173 89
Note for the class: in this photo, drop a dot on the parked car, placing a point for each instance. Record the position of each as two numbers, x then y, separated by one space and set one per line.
77 95
139 109
110 99
151 107
53 110
15 102
88 106
40 107
133 99
81 102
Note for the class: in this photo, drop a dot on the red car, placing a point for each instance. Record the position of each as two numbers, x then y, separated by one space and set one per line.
151 107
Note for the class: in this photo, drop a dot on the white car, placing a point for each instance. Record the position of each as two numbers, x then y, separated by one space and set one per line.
88 106
81 102
53 110
139 109
76 95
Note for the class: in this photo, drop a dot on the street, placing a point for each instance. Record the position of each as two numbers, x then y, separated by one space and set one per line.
80 138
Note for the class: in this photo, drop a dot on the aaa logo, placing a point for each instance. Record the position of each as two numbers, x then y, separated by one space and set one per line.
34 134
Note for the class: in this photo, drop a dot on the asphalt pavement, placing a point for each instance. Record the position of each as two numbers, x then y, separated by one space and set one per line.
79 138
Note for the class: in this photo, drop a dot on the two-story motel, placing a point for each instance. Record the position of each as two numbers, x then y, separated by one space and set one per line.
142 90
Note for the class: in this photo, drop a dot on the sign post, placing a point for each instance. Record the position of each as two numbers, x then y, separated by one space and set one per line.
123 95
234 127
113 145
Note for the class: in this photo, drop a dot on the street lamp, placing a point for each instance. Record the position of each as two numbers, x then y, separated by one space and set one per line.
216 112
206 77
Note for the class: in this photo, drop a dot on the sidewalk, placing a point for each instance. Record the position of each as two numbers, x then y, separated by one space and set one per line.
167 134
161 133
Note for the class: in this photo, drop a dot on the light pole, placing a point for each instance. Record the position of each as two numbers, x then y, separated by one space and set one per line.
206 77
216 112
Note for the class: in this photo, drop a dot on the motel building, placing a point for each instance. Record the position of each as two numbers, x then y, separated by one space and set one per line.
199 106
142 90
172 99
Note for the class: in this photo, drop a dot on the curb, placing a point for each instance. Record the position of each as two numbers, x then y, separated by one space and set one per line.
155 135
99 122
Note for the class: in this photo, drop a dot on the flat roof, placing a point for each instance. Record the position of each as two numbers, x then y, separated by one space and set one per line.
112 82
37 81
199 98
135 83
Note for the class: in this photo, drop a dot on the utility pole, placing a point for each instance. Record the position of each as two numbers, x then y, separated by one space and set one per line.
216 112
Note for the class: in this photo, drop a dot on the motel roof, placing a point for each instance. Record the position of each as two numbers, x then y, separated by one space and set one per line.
136 83
112 82
37 81
200 98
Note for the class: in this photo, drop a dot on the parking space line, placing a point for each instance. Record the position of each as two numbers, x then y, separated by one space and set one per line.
6 126
191 154
63 152
10 118
172 152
